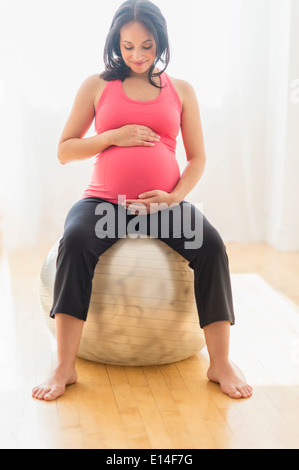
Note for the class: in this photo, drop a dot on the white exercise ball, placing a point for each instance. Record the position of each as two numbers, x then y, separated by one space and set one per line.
142 308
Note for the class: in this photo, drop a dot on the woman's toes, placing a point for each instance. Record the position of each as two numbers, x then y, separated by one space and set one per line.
45 391
238 391
235 394
245 391
40 394
35 392
52 393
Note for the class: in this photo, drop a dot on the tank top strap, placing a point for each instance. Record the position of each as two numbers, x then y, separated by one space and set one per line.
107 87
172 93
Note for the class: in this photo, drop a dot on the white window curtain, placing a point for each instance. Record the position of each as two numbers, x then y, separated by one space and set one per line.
242 58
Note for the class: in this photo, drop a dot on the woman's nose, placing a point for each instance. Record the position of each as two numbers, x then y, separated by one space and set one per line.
137 56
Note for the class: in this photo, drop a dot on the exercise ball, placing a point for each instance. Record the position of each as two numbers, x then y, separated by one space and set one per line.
142 308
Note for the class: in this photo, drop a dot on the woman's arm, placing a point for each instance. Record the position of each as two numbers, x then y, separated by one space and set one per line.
192 136
72 146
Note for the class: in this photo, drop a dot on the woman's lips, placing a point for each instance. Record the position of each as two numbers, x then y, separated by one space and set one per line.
139 63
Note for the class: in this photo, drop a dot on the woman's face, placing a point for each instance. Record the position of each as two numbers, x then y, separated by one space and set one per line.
138 47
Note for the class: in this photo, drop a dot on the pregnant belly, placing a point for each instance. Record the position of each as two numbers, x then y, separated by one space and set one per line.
133 170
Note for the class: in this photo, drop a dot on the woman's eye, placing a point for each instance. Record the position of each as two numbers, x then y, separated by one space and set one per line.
130 48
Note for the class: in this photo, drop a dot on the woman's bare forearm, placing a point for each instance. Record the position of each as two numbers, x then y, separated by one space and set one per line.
79 149
188 180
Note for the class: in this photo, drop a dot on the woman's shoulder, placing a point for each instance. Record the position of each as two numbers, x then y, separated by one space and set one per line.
183 87
94 85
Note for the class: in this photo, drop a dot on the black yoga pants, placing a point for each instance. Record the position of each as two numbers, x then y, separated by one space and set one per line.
86 237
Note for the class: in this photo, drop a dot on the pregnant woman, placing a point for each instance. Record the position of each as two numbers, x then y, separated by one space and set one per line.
138 111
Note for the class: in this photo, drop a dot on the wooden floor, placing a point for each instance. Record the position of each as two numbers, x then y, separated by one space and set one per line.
161 407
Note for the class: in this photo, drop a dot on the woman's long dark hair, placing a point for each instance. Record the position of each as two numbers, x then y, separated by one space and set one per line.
147 13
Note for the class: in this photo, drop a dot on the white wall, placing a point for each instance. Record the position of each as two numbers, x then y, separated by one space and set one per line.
282 195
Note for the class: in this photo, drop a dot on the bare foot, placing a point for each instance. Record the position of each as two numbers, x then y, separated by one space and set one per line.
55 386
229 381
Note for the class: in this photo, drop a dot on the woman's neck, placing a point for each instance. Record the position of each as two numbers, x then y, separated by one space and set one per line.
142 76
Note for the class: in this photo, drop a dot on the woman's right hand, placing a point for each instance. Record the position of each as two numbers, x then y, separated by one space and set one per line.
132 135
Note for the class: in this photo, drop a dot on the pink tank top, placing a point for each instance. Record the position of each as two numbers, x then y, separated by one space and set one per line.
130 171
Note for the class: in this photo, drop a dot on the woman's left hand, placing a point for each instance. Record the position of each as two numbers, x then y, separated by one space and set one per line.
150 202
